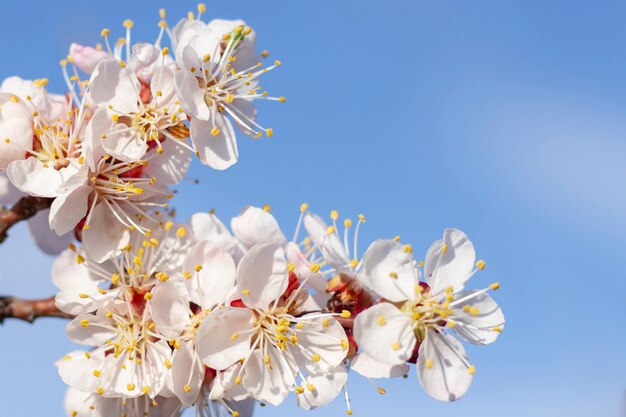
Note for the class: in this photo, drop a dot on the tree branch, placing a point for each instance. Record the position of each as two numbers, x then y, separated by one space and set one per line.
29 310
24 209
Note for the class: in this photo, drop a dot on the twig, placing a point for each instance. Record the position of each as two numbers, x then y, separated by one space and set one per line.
24 209
29 310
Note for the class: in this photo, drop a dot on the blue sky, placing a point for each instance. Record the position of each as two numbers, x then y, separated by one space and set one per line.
504 119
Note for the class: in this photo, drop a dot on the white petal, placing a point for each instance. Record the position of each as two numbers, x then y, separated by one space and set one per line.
170 309
262 275
441 367
113 85
482 328
124 144
90 330
365 365
105 235
33 177
68 209
191 96
207 226
385 333
16 124
255 225
219 151
215 282
144 54
330 245
224 337
390 271
269 384
99 124
449 262
170 166
68 274
76 370
86 58
187 370
327 387
8 193
224 386
323 336
44 238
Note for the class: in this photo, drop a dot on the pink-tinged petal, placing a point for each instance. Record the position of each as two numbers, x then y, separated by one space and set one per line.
327 385
76 370
36 178
214 283
87 58
170 166
163 82
116 86
270 385
255 225
68 273
224 386
329 244
187 374
8 193
217 151
191 96
390 271
68 209
365 365
224 337
90 330
449 262
385 333
442 367
208 227
323 336
123 144
105 235
262 275
144 55
98 127
170 309
48 241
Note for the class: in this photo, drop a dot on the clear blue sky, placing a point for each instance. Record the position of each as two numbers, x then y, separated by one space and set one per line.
504 119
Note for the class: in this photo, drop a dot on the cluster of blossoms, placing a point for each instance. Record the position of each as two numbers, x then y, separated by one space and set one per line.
174 315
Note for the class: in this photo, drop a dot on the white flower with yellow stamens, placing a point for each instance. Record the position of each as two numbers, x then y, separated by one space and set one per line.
414 314
282 346
217 84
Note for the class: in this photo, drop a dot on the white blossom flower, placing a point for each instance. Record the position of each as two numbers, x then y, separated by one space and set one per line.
81 404
218 77
414 315
282 346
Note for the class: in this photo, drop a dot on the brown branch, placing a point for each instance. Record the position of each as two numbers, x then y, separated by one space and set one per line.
24 209
29 310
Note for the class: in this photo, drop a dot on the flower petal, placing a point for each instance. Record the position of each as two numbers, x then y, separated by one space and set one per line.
170 166
255 225
105 235
269 384
449 262
217 151
116 86
262 275
390 271
329 244
170 309
90 330
483 323
48 241
441 367
365 365
86 58
68 209
327 385
16 124
191 96
187 374
385 334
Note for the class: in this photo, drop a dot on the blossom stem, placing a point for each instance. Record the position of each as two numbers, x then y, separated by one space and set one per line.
29 310
24 209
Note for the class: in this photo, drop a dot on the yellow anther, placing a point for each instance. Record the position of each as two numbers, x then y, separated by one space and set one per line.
245 292
345 314
238 380
344 344
168 225
88 355
334 215
206 58
347 223
162 13
165 51
181 232
109 314
450 324
310 387
122 63
444 248
381 321
267 208
41 82
167 363
449 290
278 63
495 286
198 267
466 308
187 275
84 322
316 357
304 207
408 249
324 323
474 311
291 267
215 131
429 363
230 98
395 345
83 295
145 389
393 275
235 413
266 359
74 413
187 388
97 373
354 263
471 370
480 264
361 218
299 389
381 391
300 326
234 336
265 53
130 387
147 296
80 259
282 99
115 278
128 24
151 326
105 32
349 412
315 267
330 230
100 391
497 329
269 132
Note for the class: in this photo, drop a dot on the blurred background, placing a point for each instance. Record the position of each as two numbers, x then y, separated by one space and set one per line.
504 119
